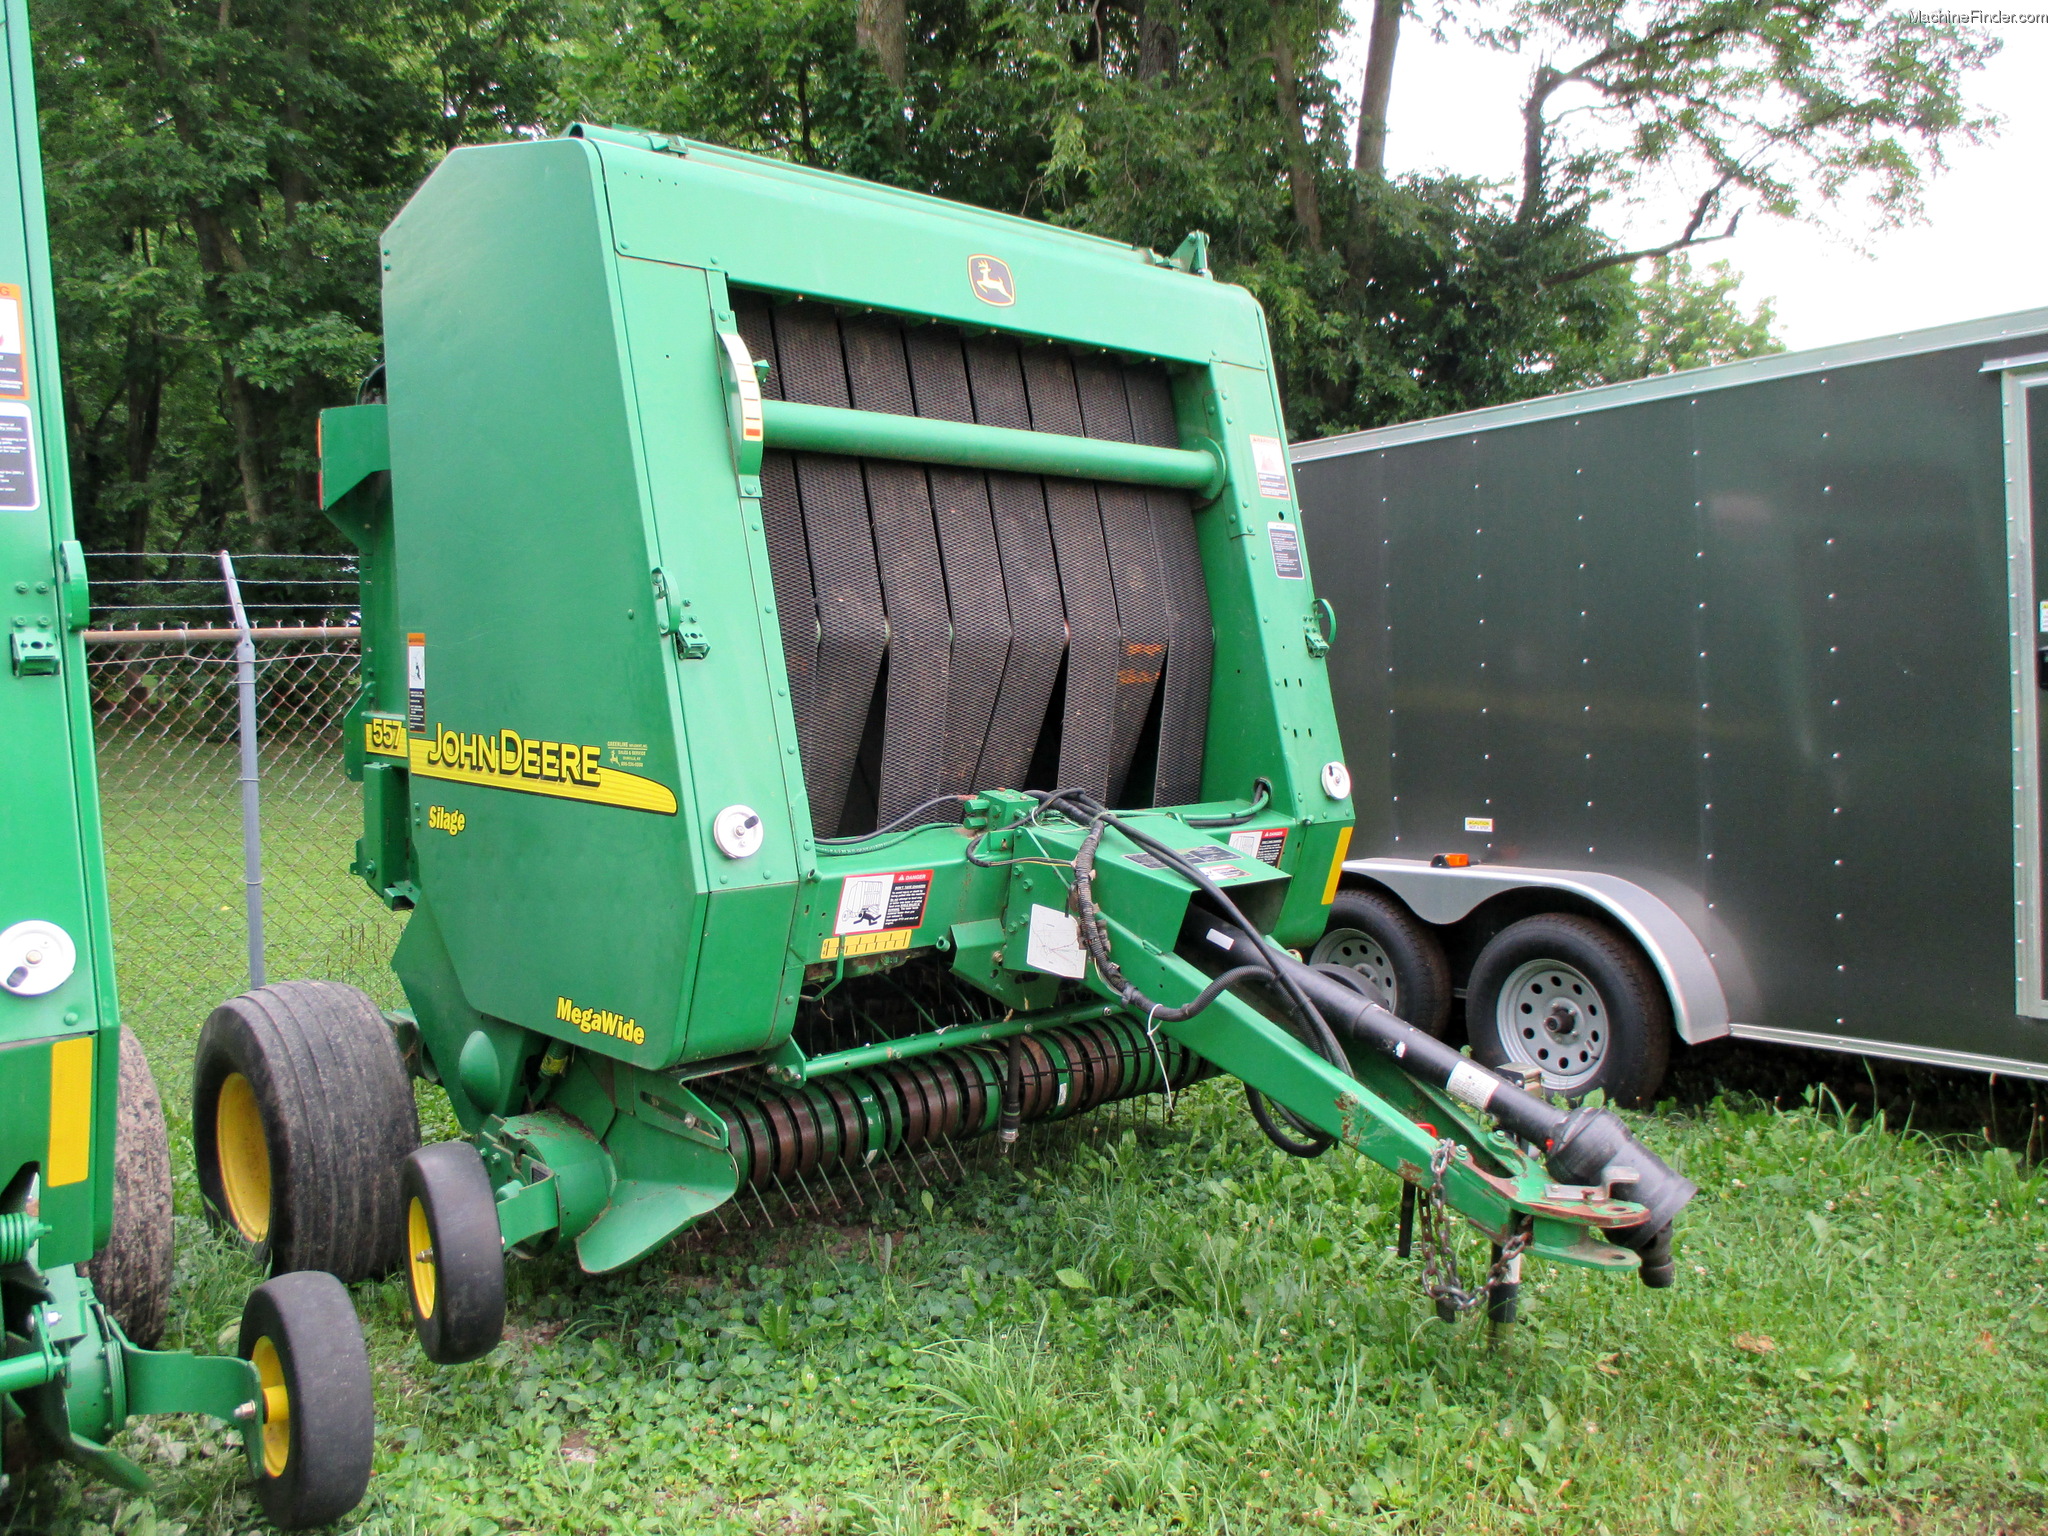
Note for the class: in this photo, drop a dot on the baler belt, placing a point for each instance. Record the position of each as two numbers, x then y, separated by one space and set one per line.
1190 642
852 623
973 598
1134 569
1093 640
1038 628
913 584
967 551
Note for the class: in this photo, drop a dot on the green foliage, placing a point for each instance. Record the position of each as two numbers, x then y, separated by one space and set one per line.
1858 1343
1688 319
218 177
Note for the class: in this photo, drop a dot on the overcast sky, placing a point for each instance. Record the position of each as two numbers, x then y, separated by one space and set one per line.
1983 249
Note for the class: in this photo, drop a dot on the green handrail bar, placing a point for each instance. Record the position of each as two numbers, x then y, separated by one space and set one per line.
925 440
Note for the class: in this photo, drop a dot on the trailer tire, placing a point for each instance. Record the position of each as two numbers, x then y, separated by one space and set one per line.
454 1253
132 1274
1573 998
302 1116
319 1430
1390 947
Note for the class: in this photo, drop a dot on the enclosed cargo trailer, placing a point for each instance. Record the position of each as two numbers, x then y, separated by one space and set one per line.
1737 670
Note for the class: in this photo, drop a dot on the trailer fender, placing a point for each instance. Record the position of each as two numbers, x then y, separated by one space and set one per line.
1699 1007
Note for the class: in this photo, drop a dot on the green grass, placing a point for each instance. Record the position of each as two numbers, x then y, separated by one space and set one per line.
1175 1328
1162 1328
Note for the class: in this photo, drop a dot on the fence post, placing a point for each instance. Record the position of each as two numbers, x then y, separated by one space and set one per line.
252 823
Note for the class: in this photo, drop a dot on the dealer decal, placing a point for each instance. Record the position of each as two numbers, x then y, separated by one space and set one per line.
504 759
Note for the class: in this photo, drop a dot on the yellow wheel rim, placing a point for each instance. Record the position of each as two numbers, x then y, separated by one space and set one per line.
277 1407
419 1259
243 1156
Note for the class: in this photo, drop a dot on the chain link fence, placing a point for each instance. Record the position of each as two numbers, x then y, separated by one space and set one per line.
165 719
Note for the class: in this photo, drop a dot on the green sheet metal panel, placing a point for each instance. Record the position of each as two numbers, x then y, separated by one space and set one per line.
565 489
49 812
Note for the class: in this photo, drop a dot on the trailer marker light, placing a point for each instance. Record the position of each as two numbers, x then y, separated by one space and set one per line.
1451 861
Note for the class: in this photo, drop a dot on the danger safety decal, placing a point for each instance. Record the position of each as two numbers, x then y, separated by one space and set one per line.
878 913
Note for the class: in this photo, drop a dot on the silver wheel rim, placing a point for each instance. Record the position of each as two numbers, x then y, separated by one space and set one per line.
1553 1018
1364 954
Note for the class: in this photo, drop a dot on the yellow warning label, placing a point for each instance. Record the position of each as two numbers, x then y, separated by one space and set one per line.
70 1111
504 759
836 948
1337 866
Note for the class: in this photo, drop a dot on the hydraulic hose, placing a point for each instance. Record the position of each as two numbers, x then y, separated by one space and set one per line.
1311 1141
1581 1146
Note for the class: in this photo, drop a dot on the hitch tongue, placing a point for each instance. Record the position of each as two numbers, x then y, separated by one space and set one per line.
1584 1146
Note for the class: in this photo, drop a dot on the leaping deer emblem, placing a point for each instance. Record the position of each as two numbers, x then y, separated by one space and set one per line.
990 279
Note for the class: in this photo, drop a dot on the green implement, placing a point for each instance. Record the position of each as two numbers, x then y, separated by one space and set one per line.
841 674
85 1183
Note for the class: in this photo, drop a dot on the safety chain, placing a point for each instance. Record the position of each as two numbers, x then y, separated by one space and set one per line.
1440 1279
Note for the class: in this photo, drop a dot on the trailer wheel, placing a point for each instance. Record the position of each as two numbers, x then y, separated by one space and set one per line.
454 1253
301 1117
132 1274
1572 998
1395 951
319 1417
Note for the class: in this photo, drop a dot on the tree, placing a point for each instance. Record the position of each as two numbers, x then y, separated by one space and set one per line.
218 176
1687 319
1771 104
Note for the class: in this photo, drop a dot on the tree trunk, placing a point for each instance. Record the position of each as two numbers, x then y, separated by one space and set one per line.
145 422
1535 131
882 27
1301 172
1371 156
248 451
1158 38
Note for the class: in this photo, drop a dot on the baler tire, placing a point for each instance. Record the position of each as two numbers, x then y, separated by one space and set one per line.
132 1274
319 1431
455 1253
302 1114
1637 1010
1421 974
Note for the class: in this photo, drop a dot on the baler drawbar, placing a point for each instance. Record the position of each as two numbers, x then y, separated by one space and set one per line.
841 674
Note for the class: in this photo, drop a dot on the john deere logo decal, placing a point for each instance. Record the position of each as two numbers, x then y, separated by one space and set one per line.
991 280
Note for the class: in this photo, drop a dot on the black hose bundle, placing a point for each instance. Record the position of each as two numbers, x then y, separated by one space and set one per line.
1284 1129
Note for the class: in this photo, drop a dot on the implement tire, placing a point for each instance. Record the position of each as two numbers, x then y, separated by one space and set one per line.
319 1428
302 1116
132 1274
454 1253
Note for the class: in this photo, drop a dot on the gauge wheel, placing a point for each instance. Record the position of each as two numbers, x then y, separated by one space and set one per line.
317 1427
1395 951
1575 1000
132 1274
302 1115
454 1253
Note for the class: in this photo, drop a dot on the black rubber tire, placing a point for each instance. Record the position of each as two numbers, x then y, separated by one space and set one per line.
132 1274
329 1432
463 1316
1638 1010
337 1124
1422 976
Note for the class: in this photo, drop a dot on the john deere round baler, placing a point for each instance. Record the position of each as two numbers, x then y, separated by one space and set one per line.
840 674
